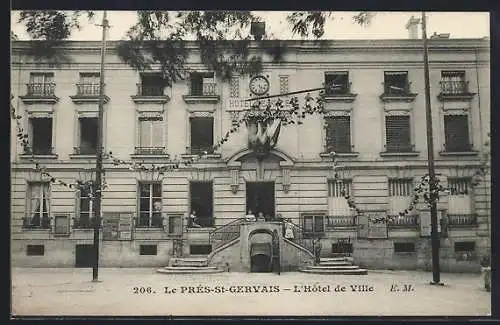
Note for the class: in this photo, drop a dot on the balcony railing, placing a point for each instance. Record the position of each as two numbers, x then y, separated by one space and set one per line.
149 221
333 222
455 87
41 89
85 150
337 89
206 89
148 90
83 223
343 148
39 151
87 89
205 222
408 221
36 222
462 220
396 89
226 233
200 150
396 147
458 147
149 150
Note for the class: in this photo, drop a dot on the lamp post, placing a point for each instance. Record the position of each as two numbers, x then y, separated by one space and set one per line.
430 160
100 118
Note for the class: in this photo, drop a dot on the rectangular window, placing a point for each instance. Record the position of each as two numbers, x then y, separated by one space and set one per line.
314 225
61 225
151 130
38 205
396 83
456 129
284 84
175 225
89 84
202 134
397 133
460 198
465 246
453 82
337 204
202 84
148 249
41 84
404 247
35 250
88 136
400 187
202 203
150 205
338 134
85 208
336 82
200 249
40 131
152 85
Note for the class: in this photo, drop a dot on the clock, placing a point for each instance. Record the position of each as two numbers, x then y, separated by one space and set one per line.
259 85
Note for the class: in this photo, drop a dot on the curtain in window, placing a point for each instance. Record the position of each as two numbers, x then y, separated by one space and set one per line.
150 133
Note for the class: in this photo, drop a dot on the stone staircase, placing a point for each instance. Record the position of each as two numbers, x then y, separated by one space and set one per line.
335 265
189 265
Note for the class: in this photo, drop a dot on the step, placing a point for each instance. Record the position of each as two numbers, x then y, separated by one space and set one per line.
188 261
190 268
339 272
339 263
336 259
179 270
330 267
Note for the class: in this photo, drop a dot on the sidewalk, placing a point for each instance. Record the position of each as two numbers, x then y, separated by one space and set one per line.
143 292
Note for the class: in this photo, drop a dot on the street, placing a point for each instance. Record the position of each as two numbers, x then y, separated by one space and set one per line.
143 292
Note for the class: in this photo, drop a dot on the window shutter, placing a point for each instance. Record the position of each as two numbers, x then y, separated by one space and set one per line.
338 134
456 132
397 133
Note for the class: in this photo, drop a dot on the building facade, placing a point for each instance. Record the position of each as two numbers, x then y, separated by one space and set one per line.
374 121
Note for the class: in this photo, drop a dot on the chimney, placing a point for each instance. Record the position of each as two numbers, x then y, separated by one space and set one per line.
258 29
412 26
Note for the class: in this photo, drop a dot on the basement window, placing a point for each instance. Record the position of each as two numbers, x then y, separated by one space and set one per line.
465 246
404 247
200 249
148 249
35 250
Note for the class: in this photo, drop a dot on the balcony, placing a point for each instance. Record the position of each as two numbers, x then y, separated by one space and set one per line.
88 93
40 93
150 93
205 151
455 90
462 220
39 152
146 221
339 93
401 222
398 150
83 223
36 222
204 93
458 149
142 152
336 222
397 92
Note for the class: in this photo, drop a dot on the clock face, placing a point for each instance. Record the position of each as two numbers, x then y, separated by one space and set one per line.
259 85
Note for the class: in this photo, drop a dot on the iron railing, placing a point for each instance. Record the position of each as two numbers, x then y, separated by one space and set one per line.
149 150
396 89
87 89
407 221
85 150
454 87
83 222
205 89
333 222
150 221
335 90
37 222
148 90
462 220
40 89
226 233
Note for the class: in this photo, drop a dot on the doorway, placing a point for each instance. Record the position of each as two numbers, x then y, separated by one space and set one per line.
84 255
260 198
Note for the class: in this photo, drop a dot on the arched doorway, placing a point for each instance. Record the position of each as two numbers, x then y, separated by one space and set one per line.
260 251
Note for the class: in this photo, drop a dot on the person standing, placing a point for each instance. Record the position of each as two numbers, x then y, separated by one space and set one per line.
250 216
261 217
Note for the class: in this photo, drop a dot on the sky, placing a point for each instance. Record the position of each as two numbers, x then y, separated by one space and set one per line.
385 25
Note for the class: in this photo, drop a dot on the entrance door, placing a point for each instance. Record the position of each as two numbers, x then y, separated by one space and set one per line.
260 198
84 255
